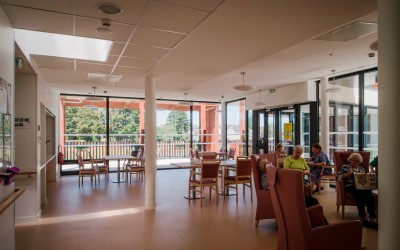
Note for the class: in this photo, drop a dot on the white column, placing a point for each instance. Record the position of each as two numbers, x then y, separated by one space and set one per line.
389 117
324 114
150 143
223 124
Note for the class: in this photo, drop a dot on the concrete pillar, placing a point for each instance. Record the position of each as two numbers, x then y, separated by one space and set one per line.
324 115
389 117
223 124
150 144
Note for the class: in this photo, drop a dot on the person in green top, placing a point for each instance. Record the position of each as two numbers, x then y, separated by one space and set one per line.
295 161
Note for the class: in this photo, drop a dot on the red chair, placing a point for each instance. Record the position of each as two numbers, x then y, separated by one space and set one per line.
208 177
242 176
343 198
264 204
231 154
302 228
209 156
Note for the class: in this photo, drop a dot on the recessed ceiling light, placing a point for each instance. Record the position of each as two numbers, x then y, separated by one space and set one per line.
109 8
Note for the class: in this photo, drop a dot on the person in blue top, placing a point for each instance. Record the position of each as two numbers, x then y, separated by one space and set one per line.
317 162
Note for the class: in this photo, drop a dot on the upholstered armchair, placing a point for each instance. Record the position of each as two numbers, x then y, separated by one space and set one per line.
343 198
264 205
301 228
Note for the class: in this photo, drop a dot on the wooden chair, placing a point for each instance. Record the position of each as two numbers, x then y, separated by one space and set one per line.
222 153
242 176
101 166
136 166
209 156
191 154
264 208
302 228
207 177
90 172
196 154
231 154
343 198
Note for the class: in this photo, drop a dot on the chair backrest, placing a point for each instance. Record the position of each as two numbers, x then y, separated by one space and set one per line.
196 154
243 167
256 172
341 159
222 150
191 154
231 153
210 156
80 162
209 169
287 194
271 157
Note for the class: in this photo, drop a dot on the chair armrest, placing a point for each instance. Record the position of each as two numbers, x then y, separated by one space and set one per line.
340 192
316 216
319 236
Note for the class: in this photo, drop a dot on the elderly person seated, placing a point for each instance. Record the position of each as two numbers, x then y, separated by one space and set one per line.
361 197
295 161
298 163
317 162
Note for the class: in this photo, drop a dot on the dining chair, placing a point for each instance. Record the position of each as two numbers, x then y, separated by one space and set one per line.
207 176
89 172
231 153
242 176
301 228
222 153
136 166
191 154
101 166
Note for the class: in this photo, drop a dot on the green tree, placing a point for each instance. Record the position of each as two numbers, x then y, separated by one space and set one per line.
179 121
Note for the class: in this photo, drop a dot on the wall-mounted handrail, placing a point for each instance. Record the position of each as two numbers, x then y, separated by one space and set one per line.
11 199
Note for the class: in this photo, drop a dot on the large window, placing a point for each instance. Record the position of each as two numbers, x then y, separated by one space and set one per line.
371 113
353 112
236 126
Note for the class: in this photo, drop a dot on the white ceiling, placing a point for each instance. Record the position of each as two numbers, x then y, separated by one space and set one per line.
200 46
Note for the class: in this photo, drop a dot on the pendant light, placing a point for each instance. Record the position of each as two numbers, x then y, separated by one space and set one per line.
333 89
259 103
94 98
243 87
186 102
219 109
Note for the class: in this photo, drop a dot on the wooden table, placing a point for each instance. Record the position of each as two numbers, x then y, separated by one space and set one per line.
118 158
197 164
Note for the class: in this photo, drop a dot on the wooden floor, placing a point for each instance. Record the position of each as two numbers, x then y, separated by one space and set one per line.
111 216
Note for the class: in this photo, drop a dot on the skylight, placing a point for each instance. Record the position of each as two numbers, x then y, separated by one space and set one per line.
50 44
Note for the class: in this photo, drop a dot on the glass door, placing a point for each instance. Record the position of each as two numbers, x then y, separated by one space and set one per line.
305 129
271 130
287 129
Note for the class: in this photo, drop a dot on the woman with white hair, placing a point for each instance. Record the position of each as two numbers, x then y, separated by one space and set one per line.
295 161
362 197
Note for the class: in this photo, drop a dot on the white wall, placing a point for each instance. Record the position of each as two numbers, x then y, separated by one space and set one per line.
7 229
288 95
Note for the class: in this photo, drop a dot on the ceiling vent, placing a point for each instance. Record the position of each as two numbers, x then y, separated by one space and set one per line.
109 8
350 32
100 79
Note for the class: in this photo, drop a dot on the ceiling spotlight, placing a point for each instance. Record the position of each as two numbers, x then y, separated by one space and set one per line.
243 87
94 98
333 89
186 102
105 26
109 8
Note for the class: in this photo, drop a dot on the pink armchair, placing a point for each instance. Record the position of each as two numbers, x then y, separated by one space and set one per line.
343 198
264 205
302 228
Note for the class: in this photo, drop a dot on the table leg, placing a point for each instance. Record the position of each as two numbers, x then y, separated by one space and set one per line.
119 180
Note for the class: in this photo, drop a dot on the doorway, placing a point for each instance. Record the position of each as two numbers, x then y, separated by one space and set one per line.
289 126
